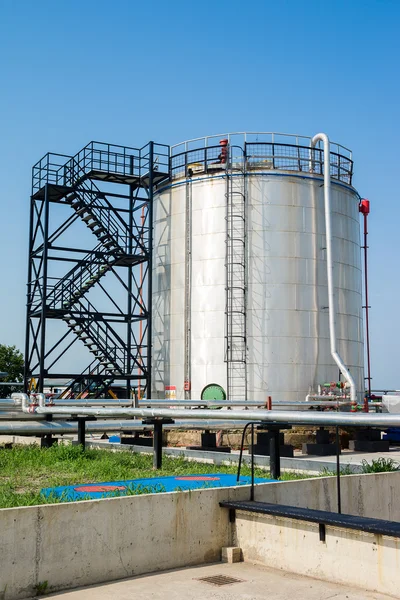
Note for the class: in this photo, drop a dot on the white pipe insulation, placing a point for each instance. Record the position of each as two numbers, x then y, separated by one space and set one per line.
329 263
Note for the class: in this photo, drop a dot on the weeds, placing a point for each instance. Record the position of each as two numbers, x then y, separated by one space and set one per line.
379 465
345 470
41 588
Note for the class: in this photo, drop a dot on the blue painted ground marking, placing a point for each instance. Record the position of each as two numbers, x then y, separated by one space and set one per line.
147 485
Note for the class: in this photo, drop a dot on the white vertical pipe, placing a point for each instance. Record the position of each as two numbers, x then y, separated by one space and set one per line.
329 263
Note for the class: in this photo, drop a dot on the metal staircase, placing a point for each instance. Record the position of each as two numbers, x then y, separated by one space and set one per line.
236 268
87 384
81 278
120 219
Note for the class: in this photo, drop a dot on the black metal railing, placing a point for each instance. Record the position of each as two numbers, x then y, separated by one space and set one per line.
99 157
200 160
264 156
290 157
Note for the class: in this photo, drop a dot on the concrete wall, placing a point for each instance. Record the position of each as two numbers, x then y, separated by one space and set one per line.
353 558
76 544
372 495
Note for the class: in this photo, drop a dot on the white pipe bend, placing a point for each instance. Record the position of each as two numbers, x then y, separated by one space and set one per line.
329 261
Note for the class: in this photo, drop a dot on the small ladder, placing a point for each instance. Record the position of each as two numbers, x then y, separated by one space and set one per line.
236 269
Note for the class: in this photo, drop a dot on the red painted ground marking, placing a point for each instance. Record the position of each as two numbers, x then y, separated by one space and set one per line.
197 478
99 488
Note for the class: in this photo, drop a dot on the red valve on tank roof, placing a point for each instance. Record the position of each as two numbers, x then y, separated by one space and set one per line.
364 206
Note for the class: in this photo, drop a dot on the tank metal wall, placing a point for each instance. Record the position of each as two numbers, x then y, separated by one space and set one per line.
287 314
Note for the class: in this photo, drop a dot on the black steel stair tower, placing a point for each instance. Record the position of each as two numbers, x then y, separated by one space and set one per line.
104 299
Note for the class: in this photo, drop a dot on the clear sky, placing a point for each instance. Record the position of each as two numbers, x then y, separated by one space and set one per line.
127 72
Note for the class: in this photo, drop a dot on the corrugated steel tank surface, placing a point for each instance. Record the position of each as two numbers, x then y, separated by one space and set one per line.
287 331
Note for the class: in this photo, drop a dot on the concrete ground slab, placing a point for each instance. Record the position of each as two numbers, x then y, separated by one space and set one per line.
257 583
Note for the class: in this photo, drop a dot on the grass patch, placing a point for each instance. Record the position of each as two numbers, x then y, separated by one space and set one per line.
380 465
25 470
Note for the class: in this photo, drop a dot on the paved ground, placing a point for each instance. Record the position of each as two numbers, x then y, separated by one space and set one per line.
300 462
257 583
349 457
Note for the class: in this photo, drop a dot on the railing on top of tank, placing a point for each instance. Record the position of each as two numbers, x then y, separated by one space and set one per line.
200 160
240 138
288 157
261 156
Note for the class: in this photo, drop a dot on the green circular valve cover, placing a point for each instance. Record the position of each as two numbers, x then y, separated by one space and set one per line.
213 391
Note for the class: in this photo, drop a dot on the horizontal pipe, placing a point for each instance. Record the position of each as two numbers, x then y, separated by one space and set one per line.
324 397
266 416
62 427
11 402
18 415
235 403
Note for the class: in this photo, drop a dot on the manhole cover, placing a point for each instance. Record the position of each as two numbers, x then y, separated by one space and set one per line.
220 580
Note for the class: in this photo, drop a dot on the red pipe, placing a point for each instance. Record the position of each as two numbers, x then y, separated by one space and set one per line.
364 209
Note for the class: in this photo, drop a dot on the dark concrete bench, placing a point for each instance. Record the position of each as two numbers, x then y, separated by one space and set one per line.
322 517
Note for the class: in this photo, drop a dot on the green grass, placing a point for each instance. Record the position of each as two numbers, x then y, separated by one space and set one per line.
25 470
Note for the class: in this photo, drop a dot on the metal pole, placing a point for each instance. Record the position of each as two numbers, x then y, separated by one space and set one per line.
252 463
274 454
339 502
44 289
150 271
81 431
188 285
129 307
47 440
28 300
241 452
366 303
157 445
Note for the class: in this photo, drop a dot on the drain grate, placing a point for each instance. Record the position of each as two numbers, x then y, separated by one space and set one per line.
220 579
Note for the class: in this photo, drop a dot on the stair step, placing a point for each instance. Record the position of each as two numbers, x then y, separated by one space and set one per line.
77 204
70 198
87 284
81 211
88 218
95 224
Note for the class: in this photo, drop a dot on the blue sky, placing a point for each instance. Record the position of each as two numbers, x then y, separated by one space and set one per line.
127 72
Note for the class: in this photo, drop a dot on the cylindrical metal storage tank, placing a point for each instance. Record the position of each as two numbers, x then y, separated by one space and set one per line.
239 269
